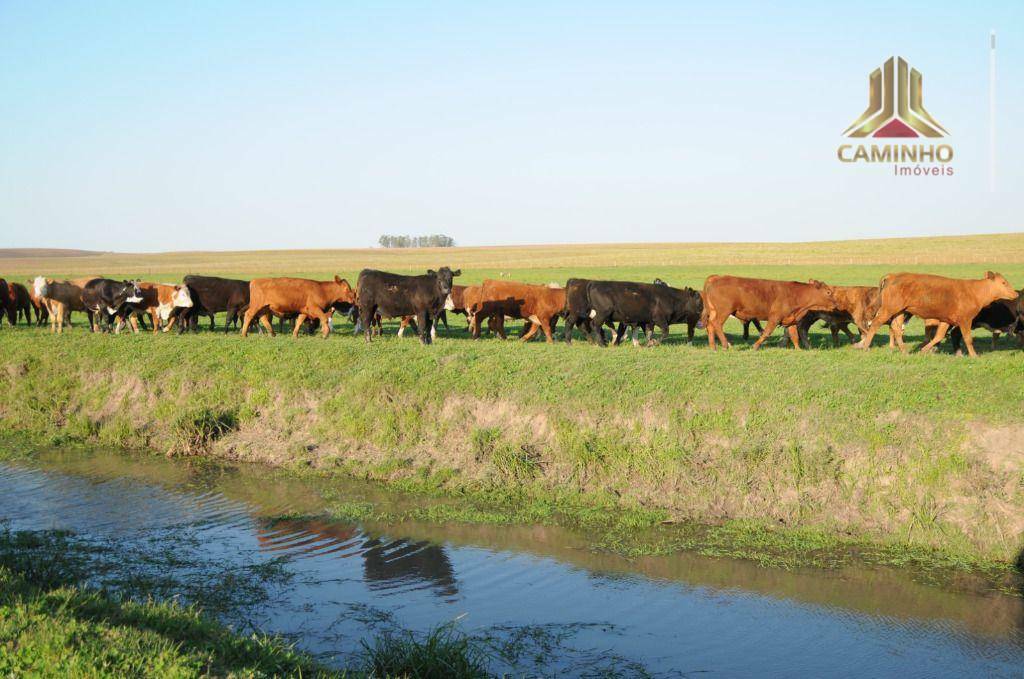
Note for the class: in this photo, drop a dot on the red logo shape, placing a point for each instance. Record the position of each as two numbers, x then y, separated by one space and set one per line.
895 128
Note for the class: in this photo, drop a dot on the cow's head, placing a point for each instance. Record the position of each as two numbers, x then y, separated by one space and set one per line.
40 287
126 292
825 289
343 292
1002 286
134 292
658 281
181 297
444 277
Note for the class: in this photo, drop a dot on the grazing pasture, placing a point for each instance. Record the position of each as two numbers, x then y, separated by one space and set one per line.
913 450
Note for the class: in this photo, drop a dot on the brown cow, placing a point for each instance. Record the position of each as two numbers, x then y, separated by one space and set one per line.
308 299
471 299
950 301
61 298
539 304
777 302
159 300
38 303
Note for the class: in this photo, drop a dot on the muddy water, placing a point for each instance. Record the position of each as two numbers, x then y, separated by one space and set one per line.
538 599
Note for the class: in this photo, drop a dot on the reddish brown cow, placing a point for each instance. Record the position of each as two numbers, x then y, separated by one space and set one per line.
777 302
538 304
950 301
283 296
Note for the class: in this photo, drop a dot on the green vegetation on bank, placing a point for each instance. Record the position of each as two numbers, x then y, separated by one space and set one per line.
53 622
801 453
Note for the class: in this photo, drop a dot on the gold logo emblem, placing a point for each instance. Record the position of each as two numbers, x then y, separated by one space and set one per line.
895 108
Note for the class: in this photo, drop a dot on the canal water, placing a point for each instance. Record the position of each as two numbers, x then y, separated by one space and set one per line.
252 546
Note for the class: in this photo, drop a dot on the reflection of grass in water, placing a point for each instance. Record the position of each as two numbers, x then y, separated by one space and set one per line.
57 626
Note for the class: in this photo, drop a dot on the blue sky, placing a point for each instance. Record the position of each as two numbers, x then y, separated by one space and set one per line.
137 126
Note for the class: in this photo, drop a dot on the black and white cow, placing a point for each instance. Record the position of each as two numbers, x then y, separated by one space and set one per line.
393 295
106 299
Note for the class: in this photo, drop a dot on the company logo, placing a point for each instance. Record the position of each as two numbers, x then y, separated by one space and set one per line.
896 111
894 105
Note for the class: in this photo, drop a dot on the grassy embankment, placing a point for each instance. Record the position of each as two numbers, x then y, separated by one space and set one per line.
54 623
775 453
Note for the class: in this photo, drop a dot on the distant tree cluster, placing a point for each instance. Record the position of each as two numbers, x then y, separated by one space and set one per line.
438 240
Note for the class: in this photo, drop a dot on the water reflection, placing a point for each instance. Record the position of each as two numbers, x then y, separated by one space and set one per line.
403 562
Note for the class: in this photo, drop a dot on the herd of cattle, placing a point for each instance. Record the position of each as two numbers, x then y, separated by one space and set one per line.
422 301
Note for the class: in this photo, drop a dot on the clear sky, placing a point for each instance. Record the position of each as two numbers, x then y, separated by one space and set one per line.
145 126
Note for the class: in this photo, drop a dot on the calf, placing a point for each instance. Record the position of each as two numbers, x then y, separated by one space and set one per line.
211 295
108 300
306 298
394 295
782 303
539 304
642 304
950 301
160 301
1001 316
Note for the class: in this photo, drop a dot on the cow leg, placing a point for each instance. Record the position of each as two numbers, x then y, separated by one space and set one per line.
881 316
995 336
528 335
834 329
366 314
403 324
845 327
940 334
423 321
433 329
965 330
769 328
597 327
664 332
325 319
267 322
689 330
620 333
250 314
299 320
794 336
746 330
548 328
570 323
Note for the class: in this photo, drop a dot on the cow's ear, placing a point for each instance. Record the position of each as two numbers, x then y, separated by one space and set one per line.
457 272
431 272
990 274
337 279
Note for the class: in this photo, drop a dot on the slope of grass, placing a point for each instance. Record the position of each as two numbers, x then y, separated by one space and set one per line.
920 450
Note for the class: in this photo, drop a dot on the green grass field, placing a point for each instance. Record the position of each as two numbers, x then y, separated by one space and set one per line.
923 451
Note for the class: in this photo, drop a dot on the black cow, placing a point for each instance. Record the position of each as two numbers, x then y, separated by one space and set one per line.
393 295
7 307
106 299
999 316
210 295
836 321
643 304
